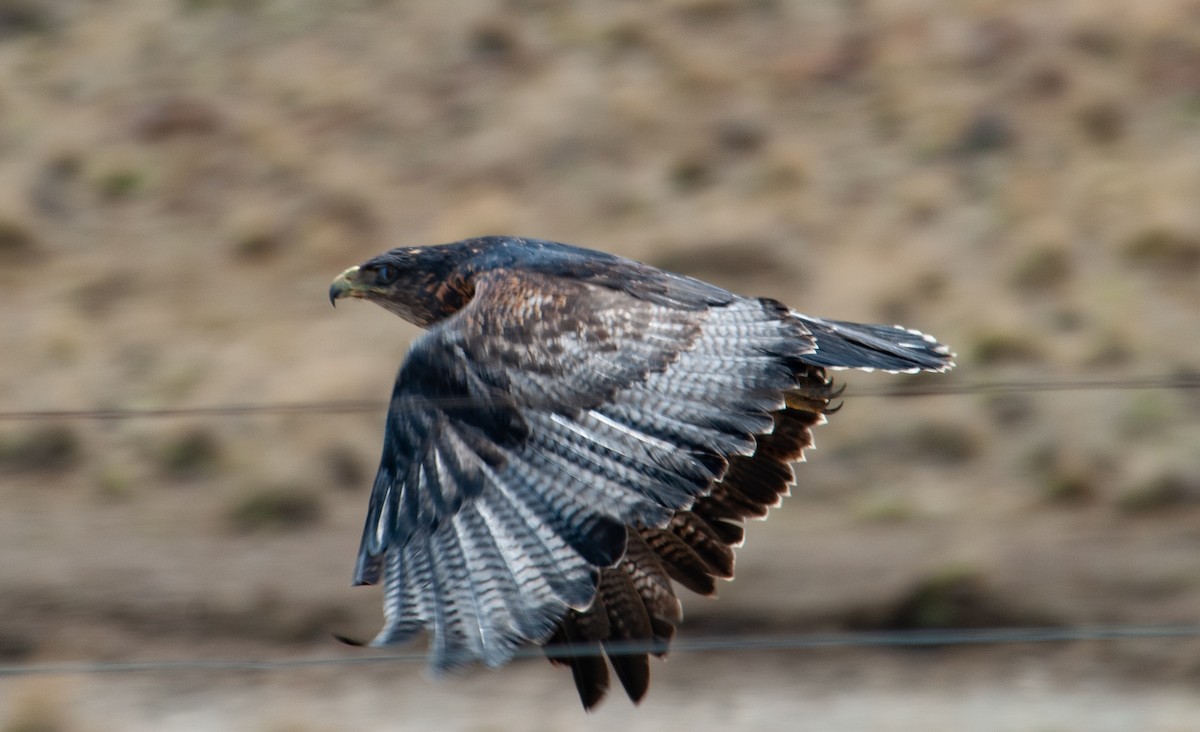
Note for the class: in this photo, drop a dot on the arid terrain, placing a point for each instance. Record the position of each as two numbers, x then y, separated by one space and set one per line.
180 180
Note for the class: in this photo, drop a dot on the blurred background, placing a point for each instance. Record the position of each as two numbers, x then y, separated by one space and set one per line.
180 181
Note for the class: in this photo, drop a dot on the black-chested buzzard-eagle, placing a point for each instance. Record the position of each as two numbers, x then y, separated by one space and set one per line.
574 431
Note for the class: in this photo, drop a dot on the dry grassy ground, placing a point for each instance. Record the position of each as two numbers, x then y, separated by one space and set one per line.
180 180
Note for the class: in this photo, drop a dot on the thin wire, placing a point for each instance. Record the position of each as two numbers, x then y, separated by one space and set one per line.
698 644
351 406
1016 387
343 406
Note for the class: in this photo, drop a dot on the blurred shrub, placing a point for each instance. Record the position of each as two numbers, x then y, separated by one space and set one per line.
1064 477
1068 487
690 173
274 507
16 645
1010 411
995 40
1110 348
931 285
885 508
97 297
1099 41
195 453
1102 122
711 11
256 231
1147 413
948 443
45 448
281 619
20 17
1042 269
740 135
17 240
997 347
345 467
1165 491
52 188
235 5
171 116
1047 81
1190 397
120 183
494 42
1164 251
256 244
988 131
114 484
953 597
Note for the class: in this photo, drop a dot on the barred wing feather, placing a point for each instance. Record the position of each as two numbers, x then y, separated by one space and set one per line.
533 477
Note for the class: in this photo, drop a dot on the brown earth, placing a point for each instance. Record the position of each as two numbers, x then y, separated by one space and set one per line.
179 181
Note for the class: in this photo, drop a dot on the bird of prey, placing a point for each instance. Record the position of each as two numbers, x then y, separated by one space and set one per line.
574 431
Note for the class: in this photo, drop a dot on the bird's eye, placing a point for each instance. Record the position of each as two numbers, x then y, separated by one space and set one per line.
385 274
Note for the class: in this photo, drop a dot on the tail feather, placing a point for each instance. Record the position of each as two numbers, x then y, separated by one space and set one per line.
892 348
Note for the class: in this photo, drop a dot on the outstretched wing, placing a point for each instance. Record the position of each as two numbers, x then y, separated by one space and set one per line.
636 607
529 430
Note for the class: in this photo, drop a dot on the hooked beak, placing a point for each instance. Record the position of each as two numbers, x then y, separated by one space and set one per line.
345 285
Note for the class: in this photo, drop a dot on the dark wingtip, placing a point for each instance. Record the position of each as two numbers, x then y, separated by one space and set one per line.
591 677
633 671
590 698
588 668
349 641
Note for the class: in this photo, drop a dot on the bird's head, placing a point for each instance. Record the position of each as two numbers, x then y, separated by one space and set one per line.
420 284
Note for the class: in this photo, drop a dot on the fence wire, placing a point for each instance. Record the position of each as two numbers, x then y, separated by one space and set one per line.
927 639
694 644
352 406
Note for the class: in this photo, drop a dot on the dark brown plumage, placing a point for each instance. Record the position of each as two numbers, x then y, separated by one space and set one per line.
575 432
